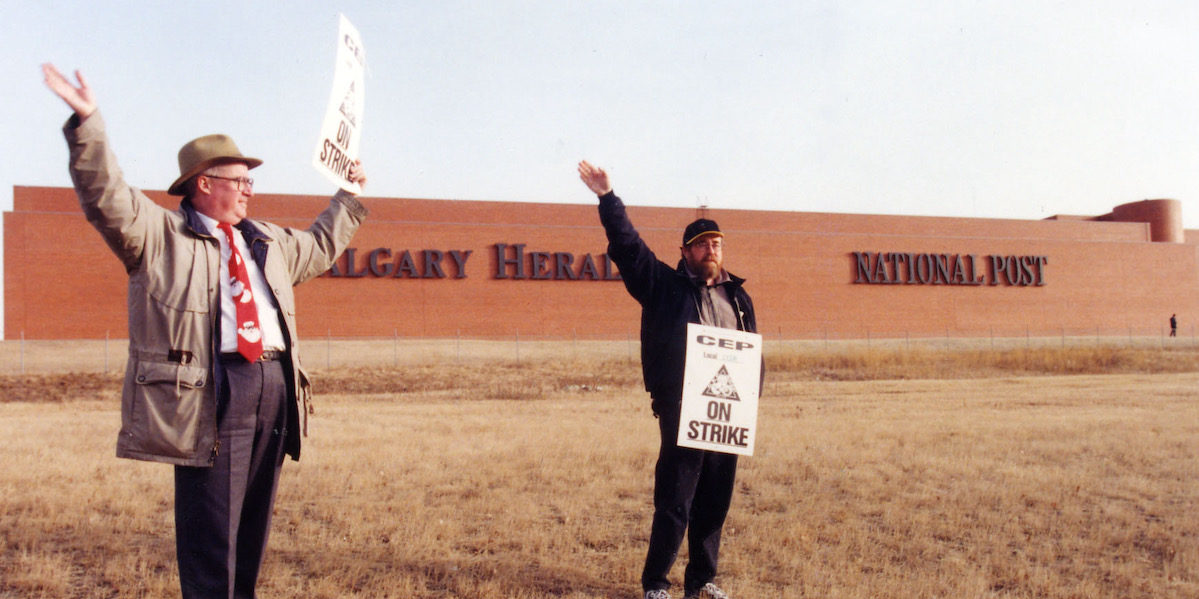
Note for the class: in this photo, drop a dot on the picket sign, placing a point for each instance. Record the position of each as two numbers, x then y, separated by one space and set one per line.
721 385
340 136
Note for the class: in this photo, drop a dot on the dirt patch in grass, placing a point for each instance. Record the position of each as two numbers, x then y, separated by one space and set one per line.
492 379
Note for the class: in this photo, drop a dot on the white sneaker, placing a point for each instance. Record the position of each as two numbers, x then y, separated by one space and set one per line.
710 590
657 594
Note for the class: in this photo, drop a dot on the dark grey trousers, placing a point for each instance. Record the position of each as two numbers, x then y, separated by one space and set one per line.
692 492
223 513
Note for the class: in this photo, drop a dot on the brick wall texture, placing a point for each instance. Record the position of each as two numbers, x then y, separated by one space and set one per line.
811 275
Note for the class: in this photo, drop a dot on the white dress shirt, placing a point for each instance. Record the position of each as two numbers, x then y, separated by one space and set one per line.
264 300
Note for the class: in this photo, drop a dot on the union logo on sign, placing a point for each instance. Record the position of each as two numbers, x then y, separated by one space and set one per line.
721 386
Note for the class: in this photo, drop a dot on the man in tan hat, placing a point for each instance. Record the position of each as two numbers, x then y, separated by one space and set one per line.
213 382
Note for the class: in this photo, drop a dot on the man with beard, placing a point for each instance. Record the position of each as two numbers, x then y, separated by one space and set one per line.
692 487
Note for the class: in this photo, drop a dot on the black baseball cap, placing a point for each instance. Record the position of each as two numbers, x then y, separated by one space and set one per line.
700 228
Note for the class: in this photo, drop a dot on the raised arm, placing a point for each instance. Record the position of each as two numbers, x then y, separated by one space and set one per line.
595 178
124 216
79 98
639 267
308 253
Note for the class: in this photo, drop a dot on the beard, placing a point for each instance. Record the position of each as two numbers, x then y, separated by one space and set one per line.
706 269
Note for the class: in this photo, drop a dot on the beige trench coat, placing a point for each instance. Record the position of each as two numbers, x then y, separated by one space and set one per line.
168 403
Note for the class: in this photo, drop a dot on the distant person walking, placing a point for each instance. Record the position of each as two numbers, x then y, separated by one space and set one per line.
213 380
692 488
1173 325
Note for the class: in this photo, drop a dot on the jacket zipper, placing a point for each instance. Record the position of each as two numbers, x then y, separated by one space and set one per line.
216 350
740 313
202 238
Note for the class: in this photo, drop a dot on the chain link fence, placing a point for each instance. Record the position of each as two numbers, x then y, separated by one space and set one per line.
22 356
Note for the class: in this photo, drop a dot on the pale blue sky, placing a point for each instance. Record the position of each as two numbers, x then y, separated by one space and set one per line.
978 109
1018 109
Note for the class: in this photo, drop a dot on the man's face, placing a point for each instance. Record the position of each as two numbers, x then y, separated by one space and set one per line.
705 256
223 193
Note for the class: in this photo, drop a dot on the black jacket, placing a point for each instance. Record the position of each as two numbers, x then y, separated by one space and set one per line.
669 300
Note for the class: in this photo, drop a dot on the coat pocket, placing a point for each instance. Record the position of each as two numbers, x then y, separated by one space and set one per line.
169 408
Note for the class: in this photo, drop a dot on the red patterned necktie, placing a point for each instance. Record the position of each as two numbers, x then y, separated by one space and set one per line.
249 335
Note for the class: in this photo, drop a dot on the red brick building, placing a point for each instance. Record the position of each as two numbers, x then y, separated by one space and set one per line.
439 268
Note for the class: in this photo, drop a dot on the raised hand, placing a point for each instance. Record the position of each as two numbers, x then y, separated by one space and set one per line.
357 174
595 178
80 98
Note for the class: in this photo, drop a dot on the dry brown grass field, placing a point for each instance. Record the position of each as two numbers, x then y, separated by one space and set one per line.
886 472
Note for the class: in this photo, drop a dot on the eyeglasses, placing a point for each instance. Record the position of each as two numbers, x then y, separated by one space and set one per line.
242 183
711 244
